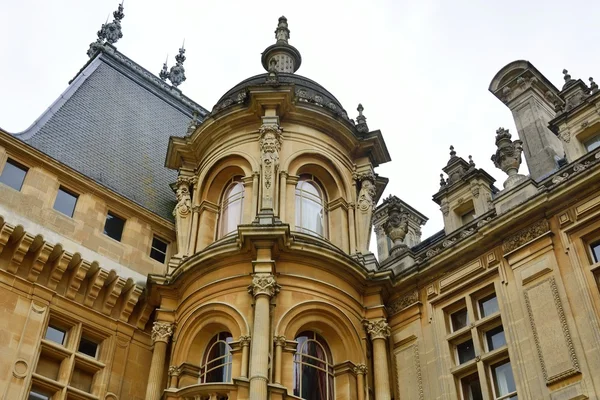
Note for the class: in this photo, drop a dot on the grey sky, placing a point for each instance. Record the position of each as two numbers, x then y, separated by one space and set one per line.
420 68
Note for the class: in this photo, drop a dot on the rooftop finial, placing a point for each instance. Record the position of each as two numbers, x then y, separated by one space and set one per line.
452 152
593 85
361 120
471 162
110 32
177 73
568 80
164 72
282 33
442 180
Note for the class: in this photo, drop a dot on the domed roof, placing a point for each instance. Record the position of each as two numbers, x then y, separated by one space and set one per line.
306 90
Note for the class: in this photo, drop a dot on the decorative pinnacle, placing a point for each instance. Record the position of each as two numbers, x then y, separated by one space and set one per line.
568 80
361 120
452 152
282 33
593 85
110 32
180 58
177 73
471 162
502 133
119 13
442 180
164 72
567 75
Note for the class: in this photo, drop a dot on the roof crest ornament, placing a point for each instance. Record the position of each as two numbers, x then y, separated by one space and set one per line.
164 72
568 80
361 120
110 32
177 73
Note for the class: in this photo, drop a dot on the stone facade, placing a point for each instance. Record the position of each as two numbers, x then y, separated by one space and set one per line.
503 302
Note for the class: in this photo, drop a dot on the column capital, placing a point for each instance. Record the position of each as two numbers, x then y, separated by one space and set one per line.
279 340
162 331
377 329
174 370
244 340
263 284
360 369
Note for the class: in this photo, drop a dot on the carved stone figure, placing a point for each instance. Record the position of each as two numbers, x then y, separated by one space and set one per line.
365 205
270 145
182 214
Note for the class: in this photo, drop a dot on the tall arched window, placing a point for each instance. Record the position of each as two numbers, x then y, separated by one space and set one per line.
231 210
310 207
313 368
216 363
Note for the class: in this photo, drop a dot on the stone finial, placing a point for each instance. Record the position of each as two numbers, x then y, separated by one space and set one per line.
593 85
361 120
442 181
164 72
396 226
282 33
452 152
177 72
110 32
568 80
471 162
508 157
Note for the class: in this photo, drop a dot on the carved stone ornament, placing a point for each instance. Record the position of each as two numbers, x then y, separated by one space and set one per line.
244 340
162 331
174 370
508 157
177 72
526 235
396 226
270 141
366 195
377 329
403 302
279 340
263 284
182 213
360 369
110 32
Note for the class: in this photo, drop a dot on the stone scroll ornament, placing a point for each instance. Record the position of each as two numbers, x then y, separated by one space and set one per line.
162 331
183 213
365 204
270 141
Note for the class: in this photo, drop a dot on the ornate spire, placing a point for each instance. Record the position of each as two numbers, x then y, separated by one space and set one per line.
361 120
452 152
164 72
568 80
282 33
287 58
109 32
593 85
177 73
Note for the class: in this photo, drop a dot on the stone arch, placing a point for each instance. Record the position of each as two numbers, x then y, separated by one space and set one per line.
508 73
212 181
330 322
195 328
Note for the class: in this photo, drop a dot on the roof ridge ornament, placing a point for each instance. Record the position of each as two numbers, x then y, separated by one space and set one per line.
361 120
593 85
568 80
164 72
110 32
177 73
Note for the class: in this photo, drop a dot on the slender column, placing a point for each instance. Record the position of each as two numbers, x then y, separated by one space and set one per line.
360 370
245 342
174 372
279 343
194 235
379 331
255 194
263 288
161 332
282 192
352 228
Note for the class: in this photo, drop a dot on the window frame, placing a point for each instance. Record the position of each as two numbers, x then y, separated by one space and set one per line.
117 216
227 359
69 192
225 202
299 363
311 179
18 165
165 253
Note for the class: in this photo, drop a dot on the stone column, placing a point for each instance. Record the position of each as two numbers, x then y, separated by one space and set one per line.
282 193
245 342
352 227
263 288
360 370
161 332
173 376
279 344
379 331
255 194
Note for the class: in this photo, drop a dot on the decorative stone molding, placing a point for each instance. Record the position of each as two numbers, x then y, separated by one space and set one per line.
279 340
403 302
270 141
174 370
377 329
360 369
526 235
244 340
162 331
364 206
508 157
263 285
20 368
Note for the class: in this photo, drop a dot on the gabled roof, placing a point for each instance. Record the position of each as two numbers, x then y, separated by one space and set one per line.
113 125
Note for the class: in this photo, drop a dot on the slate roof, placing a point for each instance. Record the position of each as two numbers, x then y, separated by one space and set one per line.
113 125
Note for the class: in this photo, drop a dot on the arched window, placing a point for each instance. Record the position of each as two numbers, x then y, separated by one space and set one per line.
231 210
310 207
313 368
216 363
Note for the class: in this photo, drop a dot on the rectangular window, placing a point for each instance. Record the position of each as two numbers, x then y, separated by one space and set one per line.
471 388
592 143
468 216
113 227
159 250
88 347
495 338
488 306
65 202
465 351
56 334
13 174
504 382
595 247
459 319
36 394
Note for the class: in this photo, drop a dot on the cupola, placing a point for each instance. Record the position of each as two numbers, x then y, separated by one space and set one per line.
281 56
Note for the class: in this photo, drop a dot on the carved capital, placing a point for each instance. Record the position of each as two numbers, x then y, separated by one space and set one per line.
360 369
377 329
279 340
162 331
174 370
263 285
244 341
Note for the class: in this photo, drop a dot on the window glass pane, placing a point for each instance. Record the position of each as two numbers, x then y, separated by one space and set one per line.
592 143
313 368
488 306
159 250
65 202
495 338
471 388
465 351
36 394
231 208
55 334
504 382
88 347
216 366
13 175
468 216
309 208
596 251
459 319
113 227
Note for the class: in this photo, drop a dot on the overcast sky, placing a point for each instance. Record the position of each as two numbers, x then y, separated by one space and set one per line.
420 68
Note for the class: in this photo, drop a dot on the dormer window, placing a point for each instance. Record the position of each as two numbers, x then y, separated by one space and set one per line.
592 143
465 212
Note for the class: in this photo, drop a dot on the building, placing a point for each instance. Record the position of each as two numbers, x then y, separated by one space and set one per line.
152 249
